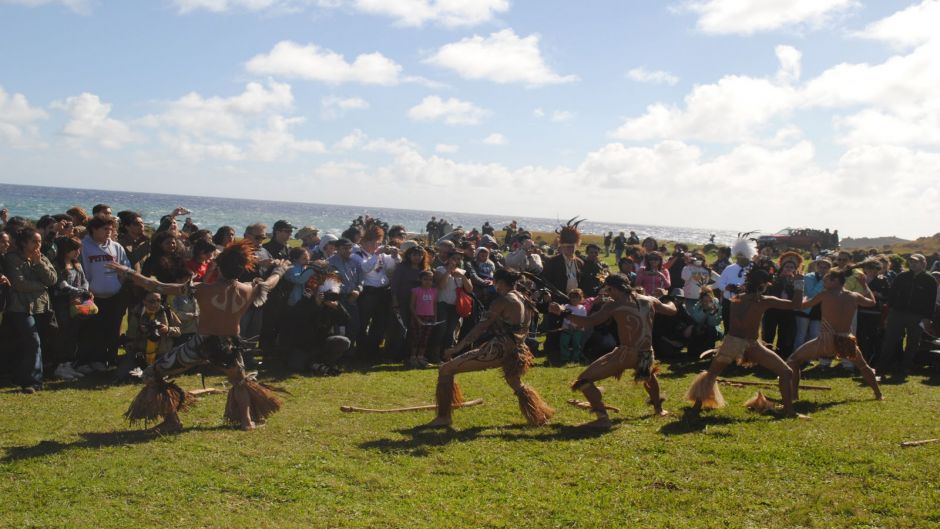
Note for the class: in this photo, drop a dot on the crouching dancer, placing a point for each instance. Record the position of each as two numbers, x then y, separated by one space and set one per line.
835 337
634 316
221 305
508 319
742 346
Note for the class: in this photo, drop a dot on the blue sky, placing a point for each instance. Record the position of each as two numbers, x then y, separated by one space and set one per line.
714 113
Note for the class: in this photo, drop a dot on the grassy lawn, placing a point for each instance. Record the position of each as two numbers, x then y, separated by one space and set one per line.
69 460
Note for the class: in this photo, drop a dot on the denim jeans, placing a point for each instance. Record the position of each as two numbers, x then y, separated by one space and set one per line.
28 326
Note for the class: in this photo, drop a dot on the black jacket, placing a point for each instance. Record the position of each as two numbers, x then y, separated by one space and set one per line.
912 293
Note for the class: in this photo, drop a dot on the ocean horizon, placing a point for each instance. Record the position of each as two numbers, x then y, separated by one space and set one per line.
212 212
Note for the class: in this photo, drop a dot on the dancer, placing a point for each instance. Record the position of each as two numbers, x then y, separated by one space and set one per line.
634 316
222 305
835 338
742 346
508 319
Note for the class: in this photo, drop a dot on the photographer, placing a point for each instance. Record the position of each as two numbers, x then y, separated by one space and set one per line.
151 329
526 258
696 277
314 342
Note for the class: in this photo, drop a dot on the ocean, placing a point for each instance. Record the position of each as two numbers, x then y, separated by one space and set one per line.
211 213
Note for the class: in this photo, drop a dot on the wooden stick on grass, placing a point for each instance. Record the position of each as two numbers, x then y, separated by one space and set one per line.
732 382
351 409
908 444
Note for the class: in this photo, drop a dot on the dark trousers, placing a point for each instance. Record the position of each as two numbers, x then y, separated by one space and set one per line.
397 339
899 324
99 342
443 336
375 307
28 328
869 333
726 315
779 325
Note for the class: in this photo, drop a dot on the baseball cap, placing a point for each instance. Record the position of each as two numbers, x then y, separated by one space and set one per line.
282 225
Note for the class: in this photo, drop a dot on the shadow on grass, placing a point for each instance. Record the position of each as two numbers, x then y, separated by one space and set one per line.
91 440
420 439
687 424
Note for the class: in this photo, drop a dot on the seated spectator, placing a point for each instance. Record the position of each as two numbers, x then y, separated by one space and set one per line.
705 317
571 341
314 342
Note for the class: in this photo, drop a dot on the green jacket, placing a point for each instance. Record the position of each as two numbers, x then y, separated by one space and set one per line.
30 283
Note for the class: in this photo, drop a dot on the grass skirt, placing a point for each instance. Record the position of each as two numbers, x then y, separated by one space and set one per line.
156 400
536 411
261 398
705 389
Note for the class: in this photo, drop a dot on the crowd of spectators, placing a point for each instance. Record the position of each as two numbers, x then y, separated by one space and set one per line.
395 296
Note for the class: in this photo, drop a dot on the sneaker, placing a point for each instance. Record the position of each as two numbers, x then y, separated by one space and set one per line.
100 367
62 371
136 373
72 371
28 390
84 369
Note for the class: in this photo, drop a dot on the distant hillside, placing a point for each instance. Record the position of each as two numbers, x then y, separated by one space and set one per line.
871 242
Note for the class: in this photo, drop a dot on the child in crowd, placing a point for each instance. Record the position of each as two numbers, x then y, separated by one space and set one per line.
423 319
71 289
572 336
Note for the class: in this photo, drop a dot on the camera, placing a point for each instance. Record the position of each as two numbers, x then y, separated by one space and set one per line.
330 295
152 330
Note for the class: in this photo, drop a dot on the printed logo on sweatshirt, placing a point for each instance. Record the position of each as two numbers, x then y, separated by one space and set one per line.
100 258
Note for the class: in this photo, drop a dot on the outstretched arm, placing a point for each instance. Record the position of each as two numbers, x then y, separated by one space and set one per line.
147 283
593 320
480 328
262 287
867 299
666 309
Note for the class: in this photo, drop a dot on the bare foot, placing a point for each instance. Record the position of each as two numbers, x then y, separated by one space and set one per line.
661 412
248 426
879 397
168 427
439 422
601 423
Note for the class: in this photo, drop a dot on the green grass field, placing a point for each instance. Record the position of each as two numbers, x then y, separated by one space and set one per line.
69 460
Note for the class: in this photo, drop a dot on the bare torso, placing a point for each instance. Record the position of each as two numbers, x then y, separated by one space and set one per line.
838 308
748 310
221 306
634 317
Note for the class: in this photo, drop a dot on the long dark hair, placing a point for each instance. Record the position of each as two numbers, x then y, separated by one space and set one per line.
64 245
425 261
168 268
222 232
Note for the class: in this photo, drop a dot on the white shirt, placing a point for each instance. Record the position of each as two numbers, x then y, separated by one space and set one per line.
448 292
377 268
733 274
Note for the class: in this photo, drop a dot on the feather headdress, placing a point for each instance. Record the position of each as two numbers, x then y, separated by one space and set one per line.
744 246
569 234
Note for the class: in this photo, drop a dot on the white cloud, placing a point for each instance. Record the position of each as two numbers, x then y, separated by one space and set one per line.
790 64
495 139
413 13
445 148
560 116
333 106
748 16
449 13
89 121
78 6
292 60
451 111
351 141
276 141
503 57
539 112
643 75
18 120
909 27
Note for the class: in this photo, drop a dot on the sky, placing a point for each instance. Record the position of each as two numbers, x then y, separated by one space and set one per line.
726 114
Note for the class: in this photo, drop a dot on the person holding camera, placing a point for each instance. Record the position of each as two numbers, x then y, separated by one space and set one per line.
151 330
696 277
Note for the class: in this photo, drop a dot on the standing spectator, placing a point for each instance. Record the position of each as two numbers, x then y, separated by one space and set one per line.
251 321
808 321
723 260
526 258
911 299
405 278
166 262
696 277
375 303
29 309
276 303
99 344
309 238
627 267
869 329
448 279
223 237
189 227
423 310
620 242
633 239
347 265
70 289
733 276
608 240
592 273
780 324
201 264
49 229
132 237
652 277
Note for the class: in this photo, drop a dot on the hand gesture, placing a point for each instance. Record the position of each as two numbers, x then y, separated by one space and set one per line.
554 308
4 282
117 267
180 211
35 255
